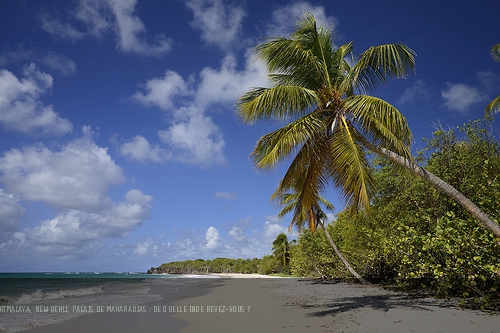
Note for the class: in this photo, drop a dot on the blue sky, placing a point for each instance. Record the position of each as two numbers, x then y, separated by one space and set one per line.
119 145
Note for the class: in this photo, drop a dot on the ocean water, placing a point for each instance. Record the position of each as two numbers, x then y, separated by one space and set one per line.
28 300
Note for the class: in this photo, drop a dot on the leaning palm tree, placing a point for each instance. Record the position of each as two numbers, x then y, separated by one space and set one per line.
313 215
494 105
321 91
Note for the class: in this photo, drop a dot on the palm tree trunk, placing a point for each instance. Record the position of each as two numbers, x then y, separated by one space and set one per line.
346 263
437 182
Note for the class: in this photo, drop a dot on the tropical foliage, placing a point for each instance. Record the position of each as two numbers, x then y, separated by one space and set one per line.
281 250
217 265
415 235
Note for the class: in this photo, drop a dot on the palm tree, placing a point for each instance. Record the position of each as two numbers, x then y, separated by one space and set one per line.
281 249
331 119
494 105
314 216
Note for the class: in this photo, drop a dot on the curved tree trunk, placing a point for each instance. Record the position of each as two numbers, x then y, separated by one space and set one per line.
346 263
437 182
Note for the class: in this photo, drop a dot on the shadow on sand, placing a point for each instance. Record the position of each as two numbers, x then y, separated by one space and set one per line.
377 299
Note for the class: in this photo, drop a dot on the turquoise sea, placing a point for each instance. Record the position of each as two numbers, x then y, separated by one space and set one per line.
28 300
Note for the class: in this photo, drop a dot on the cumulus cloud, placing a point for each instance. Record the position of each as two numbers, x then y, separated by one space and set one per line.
195 141
461 97
416 92
69 234
73 180
163 92
20 107
213 238
76 177
193 137
97 18
218 21
141 150
284 18
219 85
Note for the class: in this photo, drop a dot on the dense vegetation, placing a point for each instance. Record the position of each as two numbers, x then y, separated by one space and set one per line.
217 265
415 235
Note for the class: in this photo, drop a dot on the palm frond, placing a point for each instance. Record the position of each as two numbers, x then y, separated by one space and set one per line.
278 145
379 63
328 205
380 122
340 67
282 102
286 56
495 52
493 107
349 167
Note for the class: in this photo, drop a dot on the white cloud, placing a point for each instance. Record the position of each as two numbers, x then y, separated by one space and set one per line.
100 17
237 234
193 137
417 91
141 150
20 106
163 92
195 141
58 63
143 248
76 177
129 29
244 239
271 230
70 234
284 18
461 97
73 180
218 21
213 238
225 195
58 28
226 84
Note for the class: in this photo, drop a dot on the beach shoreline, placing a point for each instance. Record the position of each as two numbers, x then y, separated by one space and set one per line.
245 303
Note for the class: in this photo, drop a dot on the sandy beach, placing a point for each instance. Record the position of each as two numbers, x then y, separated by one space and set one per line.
256 303
297 305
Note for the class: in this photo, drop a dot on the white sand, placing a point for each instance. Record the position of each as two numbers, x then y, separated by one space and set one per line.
245 276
